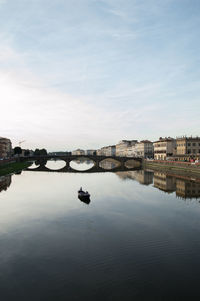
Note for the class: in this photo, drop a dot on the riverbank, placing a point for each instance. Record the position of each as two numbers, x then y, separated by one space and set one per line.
181 168
13 167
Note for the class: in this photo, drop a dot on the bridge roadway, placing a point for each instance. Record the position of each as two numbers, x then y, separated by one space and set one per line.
42 160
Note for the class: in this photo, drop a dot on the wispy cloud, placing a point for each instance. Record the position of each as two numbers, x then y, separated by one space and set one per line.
97 72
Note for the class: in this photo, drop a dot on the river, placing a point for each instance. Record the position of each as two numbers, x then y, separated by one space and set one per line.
137 239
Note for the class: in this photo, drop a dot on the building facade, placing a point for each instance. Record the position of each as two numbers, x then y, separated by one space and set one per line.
5 148
90 152
188 147
144 149
125 148
107 151
164 147
79 152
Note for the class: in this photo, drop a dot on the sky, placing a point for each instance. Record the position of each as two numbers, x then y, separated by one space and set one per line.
89 73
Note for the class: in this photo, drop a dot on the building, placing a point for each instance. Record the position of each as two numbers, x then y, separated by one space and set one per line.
144 149
164 147
107 151
131 151
125 148
90 152
5 147
187 147
78 152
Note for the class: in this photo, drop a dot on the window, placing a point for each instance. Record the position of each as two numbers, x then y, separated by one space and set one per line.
193 143
188 144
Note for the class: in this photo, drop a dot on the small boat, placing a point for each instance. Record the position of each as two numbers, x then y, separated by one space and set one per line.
83 193
84 196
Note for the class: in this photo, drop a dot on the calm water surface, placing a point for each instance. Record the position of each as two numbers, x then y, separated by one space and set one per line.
138 239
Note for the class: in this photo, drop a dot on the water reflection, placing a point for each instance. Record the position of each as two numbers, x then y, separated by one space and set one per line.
142 176
185 187
108 164
5 182
164 182
85 200
81 164
55 164
133 242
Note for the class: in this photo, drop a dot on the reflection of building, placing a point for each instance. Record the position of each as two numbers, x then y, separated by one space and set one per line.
5 147
144 177
125 148
107 164
141 176
163 148
5 182
187 189
164 182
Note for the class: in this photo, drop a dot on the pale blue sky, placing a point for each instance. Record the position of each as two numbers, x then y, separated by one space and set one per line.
88 73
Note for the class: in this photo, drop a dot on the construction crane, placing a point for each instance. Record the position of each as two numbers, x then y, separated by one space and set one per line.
20 142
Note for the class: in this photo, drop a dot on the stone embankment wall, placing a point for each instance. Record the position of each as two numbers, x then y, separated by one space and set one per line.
177 167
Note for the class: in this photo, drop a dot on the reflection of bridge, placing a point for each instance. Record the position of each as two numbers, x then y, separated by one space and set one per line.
91 170
121 163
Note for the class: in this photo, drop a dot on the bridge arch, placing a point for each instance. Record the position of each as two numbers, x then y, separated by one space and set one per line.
86 163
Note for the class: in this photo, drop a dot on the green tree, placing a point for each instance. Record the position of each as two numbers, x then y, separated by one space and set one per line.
40 152
17 150
43 152
37 152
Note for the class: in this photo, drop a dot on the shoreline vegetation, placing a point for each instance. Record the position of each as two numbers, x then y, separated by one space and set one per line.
13 167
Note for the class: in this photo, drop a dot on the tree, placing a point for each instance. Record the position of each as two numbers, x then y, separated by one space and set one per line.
40 152
17 150
37 152
43 152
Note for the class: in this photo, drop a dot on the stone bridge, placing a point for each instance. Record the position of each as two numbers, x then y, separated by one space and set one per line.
120 162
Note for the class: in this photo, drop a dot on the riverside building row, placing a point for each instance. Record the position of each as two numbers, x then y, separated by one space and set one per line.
167 148
125 148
